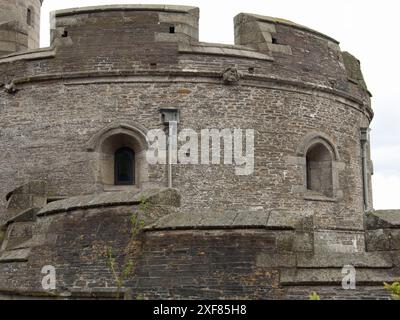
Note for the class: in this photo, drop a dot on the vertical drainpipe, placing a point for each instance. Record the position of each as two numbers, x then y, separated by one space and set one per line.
170 118
364 157
172 148
169 164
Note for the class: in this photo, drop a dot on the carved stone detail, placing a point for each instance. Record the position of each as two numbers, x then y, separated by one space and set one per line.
10 88
231 75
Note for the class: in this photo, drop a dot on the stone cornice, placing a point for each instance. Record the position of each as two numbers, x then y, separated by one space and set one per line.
124 76
130 7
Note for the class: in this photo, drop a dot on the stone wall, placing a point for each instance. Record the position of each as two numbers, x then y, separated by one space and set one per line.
383 232
67 98
108 73
58 137
175 260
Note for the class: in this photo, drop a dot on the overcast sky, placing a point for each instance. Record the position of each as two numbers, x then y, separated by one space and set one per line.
366 28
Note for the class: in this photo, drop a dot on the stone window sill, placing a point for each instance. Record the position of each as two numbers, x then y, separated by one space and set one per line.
321 198
112 188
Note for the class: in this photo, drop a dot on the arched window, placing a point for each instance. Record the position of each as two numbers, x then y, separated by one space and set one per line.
124 166
29 20
319 169
109 142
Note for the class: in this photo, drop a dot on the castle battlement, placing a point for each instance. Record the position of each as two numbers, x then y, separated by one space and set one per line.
133 23
131 39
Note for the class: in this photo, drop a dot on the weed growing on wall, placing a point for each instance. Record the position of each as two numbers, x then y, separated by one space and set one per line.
394 289
121 271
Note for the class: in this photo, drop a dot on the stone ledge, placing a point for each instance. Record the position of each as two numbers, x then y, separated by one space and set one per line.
128 7
275 220
228 50
168 76
153 196
35 54
324 276
319 198
328 261
383 219
338 260
21 255
211 219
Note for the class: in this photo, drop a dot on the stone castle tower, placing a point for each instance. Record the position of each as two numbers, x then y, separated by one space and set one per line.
19 25
74 134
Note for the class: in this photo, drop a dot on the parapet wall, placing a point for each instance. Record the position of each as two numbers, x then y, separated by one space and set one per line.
143 37
123 24
298 47
267 256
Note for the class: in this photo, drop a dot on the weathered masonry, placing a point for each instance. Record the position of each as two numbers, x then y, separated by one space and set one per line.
74 175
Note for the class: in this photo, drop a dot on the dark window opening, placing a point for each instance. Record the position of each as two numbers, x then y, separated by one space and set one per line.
251 70
319 170
65 34
274 40
124 166
29 17
171 29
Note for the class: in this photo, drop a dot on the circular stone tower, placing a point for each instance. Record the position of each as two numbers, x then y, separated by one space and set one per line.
19 25
287 206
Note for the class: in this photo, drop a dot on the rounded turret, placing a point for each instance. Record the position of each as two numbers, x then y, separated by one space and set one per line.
19 25
222 171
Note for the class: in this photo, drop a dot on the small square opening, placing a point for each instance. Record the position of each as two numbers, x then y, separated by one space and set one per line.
274 40
171 29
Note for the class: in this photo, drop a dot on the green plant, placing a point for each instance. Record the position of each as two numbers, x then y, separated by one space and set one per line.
121 272
314 296
119 277
394 289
